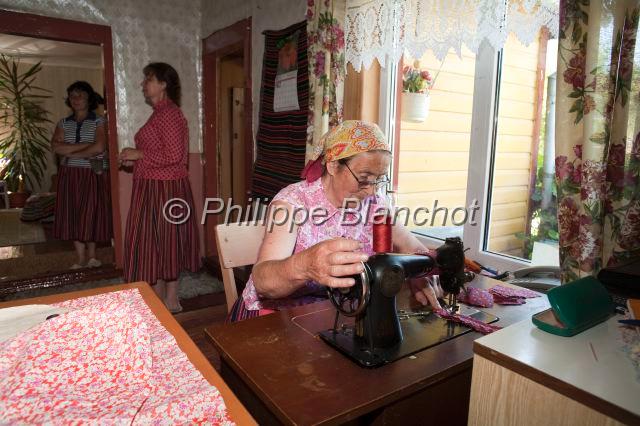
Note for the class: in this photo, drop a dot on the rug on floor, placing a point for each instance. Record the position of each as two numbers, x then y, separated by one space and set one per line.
14 232
191 285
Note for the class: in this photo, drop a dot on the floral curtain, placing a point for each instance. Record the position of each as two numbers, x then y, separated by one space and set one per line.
327 69
598 135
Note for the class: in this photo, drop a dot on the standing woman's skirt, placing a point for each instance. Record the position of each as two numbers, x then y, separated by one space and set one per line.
154 247
83 205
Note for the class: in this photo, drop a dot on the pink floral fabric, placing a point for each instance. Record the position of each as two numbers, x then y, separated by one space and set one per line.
476 297
356 225
497 294
511 296
597 137
108 360
513 292
470 322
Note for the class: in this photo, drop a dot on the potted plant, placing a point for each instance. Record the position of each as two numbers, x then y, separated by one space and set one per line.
24 130
416 84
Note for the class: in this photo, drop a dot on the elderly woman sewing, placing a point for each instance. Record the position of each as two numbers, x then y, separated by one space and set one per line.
299 258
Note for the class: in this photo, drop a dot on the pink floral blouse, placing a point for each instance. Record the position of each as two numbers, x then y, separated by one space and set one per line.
338 222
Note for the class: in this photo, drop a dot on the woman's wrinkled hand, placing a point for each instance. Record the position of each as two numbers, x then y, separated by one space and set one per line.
332 262
130 154
427 291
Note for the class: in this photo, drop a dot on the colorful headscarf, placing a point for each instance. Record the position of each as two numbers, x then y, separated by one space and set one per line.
347 139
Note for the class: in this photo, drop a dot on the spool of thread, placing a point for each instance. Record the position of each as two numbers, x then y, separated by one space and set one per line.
382 242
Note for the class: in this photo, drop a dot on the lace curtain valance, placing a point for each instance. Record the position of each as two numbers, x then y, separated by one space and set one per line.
381 28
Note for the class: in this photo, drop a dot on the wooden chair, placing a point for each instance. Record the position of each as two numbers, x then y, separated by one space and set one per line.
238 245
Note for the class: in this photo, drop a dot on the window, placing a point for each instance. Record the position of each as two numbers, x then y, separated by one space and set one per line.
477 161
522 217
433 155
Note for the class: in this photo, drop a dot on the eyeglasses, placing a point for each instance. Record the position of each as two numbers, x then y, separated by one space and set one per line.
363 184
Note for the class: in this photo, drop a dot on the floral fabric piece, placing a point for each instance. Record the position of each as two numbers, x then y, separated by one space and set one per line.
476 297
511 296
504 291
514 300
470 322
109 360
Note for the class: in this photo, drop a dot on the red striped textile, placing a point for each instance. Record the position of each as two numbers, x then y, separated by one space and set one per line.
154 247
239 312
83 205
282 136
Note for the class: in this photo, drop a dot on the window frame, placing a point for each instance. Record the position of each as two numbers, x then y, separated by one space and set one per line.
484 120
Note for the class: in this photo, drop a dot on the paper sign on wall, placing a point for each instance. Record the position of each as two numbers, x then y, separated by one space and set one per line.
285 94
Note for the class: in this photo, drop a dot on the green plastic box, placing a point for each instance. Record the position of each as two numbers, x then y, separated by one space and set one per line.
575 307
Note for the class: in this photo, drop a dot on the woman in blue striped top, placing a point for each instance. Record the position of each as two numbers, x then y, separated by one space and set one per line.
83 200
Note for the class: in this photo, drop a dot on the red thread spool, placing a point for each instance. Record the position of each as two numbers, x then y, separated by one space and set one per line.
382 242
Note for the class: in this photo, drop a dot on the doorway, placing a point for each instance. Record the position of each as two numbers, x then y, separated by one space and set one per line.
86 45
227 135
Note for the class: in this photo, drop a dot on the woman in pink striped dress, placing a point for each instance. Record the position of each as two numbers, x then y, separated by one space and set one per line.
161 238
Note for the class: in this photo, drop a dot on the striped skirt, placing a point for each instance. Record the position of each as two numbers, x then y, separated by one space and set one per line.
83 205
160 241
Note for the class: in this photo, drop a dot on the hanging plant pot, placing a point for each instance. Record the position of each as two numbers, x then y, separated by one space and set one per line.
415 106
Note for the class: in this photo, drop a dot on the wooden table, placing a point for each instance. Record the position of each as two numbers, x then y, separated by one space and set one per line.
284 373
236 410
523 375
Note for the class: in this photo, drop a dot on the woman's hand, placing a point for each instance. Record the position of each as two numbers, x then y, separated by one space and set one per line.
130 154
332 262
65 149
427 291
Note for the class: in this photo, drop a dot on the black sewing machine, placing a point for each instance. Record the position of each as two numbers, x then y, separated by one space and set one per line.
381 333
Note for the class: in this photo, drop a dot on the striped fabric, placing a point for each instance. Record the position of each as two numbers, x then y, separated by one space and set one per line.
281 138
83 205
154 247
82 132
239 312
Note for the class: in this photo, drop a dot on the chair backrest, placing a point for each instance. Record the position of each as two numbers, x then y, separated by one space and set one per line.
238 245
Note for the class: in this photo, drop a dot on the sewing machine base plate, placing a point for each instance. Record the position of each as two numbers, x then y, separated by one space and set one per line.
419 333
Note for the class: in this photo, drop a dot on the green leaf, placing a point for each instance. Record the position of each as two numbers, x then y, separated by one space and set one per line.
576 33
598 138
585 17
577 106
26 144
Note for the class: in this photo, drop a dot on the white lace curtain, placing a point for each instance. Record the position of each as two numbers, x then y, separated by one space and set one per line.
387 28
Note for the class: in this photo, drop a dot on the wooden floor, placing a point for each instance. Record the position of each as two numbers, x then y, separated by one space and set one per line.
194 323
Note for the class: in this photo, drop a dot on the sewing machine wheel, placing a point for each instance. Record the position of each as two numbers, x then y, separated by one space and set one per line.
351 301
